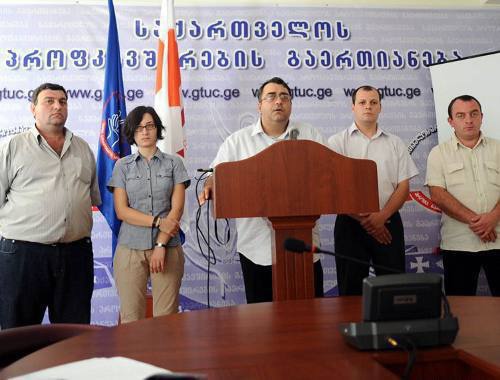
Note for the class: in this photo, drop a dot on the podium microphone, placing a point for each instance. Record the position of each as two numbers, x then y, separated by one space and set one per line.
294 133
299 246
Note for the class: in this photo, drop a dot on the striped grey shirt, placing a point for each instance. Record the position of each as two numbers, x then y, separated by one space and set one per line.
46 198
149 188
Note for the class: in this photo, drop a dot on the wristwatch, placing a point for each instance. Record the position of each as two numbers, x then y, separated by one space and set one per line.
158 244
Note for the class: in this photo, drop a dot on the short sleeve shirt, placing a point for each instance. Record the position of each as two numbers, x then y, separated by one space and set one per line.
472 176
149 187
254 234
389 152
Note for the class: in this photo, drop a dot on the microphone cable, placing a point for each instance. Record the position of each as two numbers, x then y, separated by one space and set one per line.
409 346
209 256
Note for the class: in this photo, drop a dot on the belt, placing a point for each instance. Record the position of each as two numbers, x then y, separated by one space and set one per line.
85 239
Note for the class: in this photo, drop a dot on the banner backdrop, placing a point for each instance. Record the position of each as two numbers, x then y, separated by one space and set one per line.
225 54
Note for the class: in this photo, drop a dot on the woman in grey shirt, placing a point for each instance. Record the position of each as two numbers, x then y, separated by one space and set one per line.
148 190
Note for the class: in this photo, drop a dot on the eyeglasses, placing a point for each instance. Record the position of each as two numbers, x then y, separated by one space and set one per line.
148 127
271 97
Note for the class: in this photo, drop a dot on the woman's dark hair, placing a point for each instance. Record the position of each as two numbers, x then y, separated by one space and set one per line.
134 118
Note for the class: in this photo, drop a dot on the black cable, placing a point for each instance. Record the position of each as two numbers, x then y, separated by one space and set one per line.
208 261
446 305
406 344
200 236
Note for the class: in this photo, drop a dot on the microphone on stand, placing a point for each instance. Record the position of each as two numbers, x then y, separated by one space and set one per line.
294 133
299 246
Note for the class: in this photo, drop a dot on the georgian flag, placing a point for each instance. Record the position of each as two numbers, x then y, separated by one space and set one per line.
168 98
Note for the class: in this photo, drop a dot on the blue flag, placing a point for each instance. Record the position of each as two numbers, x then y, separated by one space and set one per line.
112 141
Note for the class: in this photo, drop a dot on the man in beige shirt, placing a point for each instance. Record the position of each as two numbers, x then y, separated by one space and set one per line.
463 176
47 188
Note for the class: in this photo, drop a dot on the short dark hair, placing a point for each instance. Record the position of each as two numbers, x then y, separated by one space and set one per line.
365 88
134 118
463 98
275 80
47 86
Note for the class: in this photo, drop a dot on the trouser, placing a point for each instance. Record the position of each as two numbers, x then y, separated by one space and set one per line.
461 271
131 273
258 280
35 276
352 240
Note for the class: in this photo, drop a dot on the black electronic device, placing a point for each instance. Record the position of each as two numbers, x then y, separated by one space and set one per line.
403 307
396 297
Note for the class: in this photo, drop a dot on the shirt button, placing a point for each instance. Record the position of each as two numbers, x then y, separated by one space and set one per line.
149 196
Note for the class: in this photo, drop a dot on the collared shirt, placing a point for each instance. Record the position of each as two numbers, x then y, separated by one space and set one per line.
149 187
254 234
46 197
389 152
472 176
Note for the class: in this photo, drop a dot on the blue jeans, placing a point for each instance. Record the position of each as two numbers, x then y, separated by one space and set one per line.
35 276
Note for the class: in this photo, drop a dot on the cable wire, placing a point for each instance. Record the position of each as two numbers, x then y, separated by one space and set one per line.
406 344
209 255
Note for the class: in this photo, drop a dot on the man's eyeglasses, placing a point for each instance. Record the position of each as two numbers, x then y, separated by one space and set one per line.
148 127
272 96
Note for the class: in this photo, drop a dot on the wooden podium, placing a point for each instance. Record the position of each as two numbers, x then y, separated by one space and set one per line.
292 183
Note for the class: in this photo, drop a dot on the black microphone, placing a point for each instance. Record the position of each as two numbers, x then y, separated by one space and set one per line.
210 170
299 246
294 133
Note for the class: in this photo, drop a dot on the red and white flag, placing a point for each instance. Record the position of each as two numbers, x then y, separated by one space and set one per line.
168 95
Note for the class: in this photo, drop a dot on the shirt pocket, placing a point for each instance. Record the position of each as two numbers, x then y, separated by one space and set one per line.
164 184
134 185
85 175
455 174
82 172
493 172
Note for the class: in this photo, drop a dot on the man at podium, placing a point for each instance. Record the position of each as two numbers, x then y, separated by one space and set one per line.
254 234
377 236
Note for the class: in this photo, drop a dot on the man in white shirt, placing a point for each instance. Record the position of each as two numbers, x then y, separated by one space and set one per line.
377 236
463 175
254 234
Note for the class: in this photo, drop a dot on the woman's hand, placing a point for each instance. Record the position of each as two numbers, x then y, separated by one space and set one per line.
157 262
170 226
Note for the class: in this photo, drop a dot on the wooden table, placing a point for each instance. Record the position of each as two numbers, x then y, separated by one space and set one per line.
289 339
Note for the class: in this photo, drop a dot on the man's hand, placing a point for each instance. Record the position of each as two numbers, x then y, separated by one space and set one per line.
157 262
483 225
206 193
374 224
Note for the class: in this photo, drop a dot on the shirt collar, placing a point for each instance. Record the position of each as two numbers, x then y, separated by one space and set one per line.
456 142
257 129
136 156
68 135
354 128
